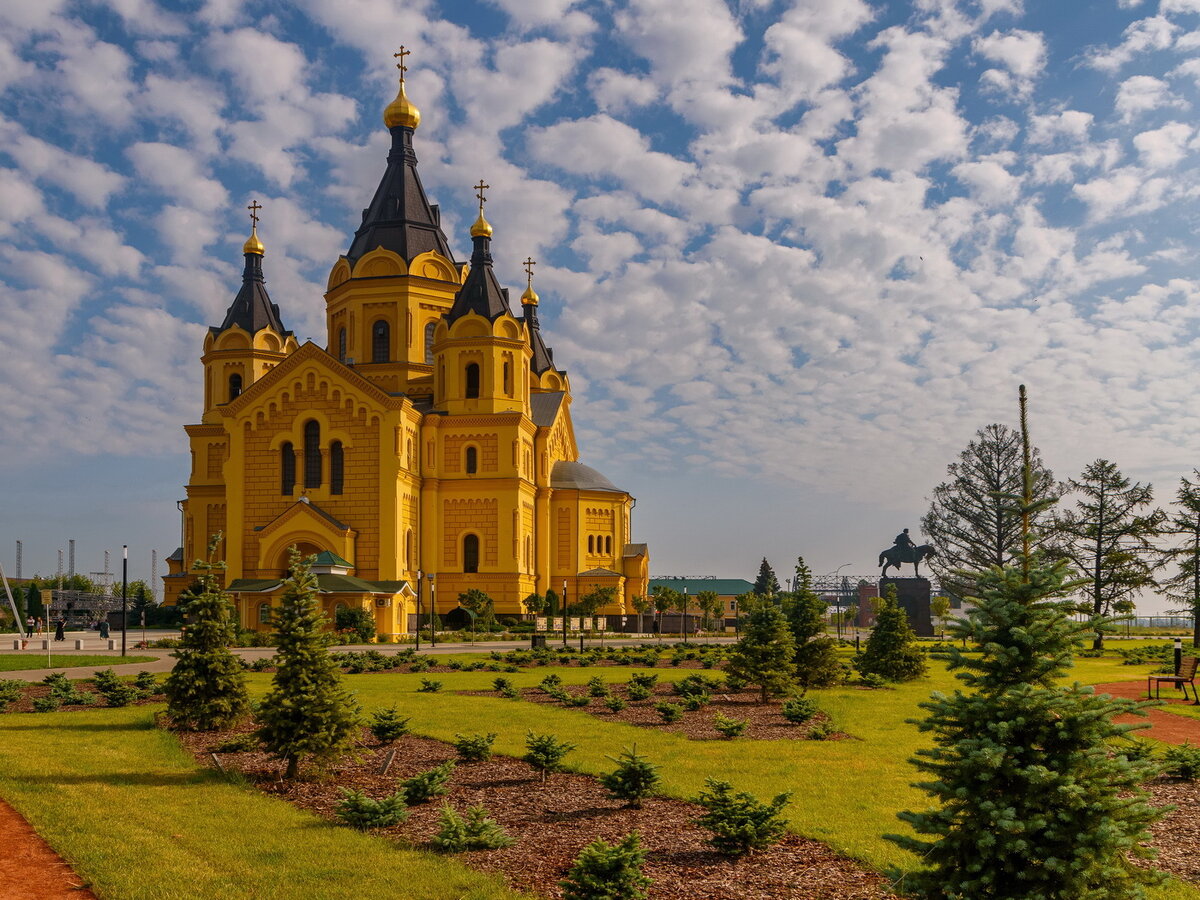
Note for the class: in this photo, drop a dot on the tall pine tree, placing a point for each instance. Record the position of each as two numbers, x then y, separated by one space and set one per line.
817 663
207 687
765 654
969 522
1183 588
1035 801
1110 537
307 715
766 584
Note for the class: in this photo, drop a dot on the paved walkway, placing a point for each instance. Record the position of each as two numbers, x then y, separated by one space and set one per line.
1165 726
94 646
29 867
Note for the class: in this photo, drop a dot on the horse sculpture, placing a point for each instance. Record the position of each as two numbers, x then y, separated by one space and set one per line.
894 556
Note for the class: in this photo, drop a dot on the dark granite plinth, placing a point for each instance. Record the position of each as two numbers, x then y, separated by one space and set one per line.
913 594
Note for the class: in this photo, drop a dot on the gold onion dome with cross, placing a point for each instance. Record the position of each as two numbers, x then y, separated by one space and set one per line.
481 228
401 111
253 244
530 297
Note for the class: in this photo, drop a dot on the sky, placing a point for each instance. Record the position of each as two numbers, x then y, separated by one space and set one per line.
792 253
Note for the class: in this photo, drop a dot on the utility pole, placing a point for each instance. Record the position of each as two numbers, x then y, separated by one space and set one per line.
71 558
124 590
19 548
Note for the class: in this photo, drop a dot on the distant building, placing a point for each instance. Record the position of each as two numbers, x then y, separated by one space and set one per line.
728 589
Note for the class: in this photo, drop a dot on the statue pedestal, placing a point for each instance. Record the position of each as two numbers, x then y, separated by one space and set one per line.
913 595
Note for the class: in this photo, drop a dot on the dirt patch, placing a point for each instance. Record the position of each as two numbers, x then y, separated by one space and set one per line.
552 821
29 868
764 722
1164 726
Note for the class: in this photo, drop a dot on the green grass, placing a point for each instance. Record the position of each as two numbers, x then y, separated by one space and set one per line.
24 661
135 816
67 772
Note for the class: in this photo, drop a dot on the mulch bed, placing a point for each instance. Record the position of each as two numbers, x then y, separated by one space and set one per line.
34 690
1176 835
552 821
764 721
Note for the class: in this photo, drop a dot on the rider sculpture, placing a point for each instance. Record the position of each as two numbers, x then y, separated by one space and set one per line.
904 550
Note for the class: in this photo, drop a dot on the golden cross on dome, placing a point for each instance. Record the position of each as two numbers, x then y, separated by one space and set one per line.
479 189
254 207
530 262
400 65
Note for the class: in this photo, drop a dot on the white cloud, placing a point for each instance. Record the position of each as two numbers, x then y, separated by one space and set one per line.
1124 192
1163 147
178 172
1021 53
616 91
1142 36
1143 93
1069 124
668 33
91 183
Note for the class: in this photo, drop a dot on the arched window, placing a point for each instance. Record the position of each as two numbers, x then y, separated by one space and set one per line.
341 345
591 544
471 553
380 342
472 380
287 467
472 460
235 385
528 553
312 454
336 467
508 379
410 546
608 545
429 329
264 613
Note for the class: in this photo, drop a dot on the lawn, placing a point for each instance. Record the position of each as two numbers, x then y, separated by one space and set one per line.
845 793
22 661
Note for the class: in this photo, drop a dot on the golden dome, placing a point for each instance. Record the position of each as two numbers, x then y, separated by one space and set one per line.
481 228
530 297
401 111
253 244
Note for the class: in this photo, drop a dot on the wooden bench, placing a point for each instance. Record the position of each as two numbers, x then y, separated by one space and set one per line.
1186 676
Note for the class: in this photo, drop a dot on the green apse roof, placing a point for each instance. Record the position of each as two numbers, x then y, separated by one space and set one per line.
326 584
724 586
329 558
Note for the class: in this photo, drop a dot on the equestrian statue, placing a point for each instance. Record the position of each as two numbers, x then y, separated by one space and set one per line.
904 551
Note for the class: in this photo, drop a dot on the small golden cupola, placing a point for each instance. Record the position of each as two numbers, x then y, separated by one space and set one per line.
401 112
253 244
482 228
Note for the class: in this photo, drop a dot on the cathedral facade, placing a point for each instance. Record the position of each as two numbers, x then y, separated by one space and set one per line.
427 449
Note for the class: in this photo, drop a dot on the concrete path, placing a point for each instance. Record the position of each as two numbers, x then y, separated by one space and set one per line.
94 646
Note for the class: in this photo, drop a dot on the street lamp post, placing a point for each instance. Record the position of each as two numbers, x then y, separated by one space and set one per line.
124 591
432 610
837 598
420 574
685 608
564 611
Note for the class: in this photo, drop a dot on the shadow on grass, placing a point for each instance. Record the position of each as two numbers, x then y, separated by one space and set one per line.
89 726
158 779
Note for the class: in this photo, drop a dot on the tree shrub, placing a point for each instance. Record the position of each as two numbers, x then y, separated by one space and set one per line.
206 689
120 694
765 654
730 728
474 747
359 811
891 650
356 620
146 682
738 821
475 831
576 700
644 679
798 710
545 752
615 704
387 725
1182 762
597 687
605 871
49 703
10 691
429 686
307 714
502 684
638 692
634 778
427 785
669 712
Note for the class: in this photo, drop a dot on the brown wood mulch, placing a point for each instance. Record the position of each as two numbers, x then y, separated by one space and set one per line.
764 721
29 867
33 690
552 821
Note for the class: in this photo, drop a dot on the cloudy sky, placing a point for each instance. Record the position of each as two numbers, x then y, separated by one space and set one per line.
793 253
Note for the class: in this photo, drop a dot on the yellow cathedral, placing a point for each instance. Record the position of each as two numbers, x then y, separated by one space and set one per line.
428 443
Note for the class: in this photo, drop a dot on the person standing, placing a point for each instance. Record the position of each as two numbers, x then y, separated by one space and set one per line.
39 625
29 626
60 625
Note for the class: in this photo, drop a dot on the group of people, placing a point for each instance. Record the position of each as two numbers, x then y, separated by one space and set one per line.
37 626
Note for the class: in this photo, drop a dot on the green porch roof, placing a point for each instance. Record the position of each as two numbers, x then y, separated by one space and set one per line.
326 584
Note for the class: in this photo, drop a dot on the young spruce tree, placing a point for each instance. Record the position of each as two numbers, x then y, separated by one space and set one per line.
817 663
1035 802
891 650
307 714
765 655
207 688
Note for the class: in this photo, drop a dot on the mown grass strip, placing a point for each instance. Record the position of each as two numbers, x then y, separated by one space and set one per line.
22 661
